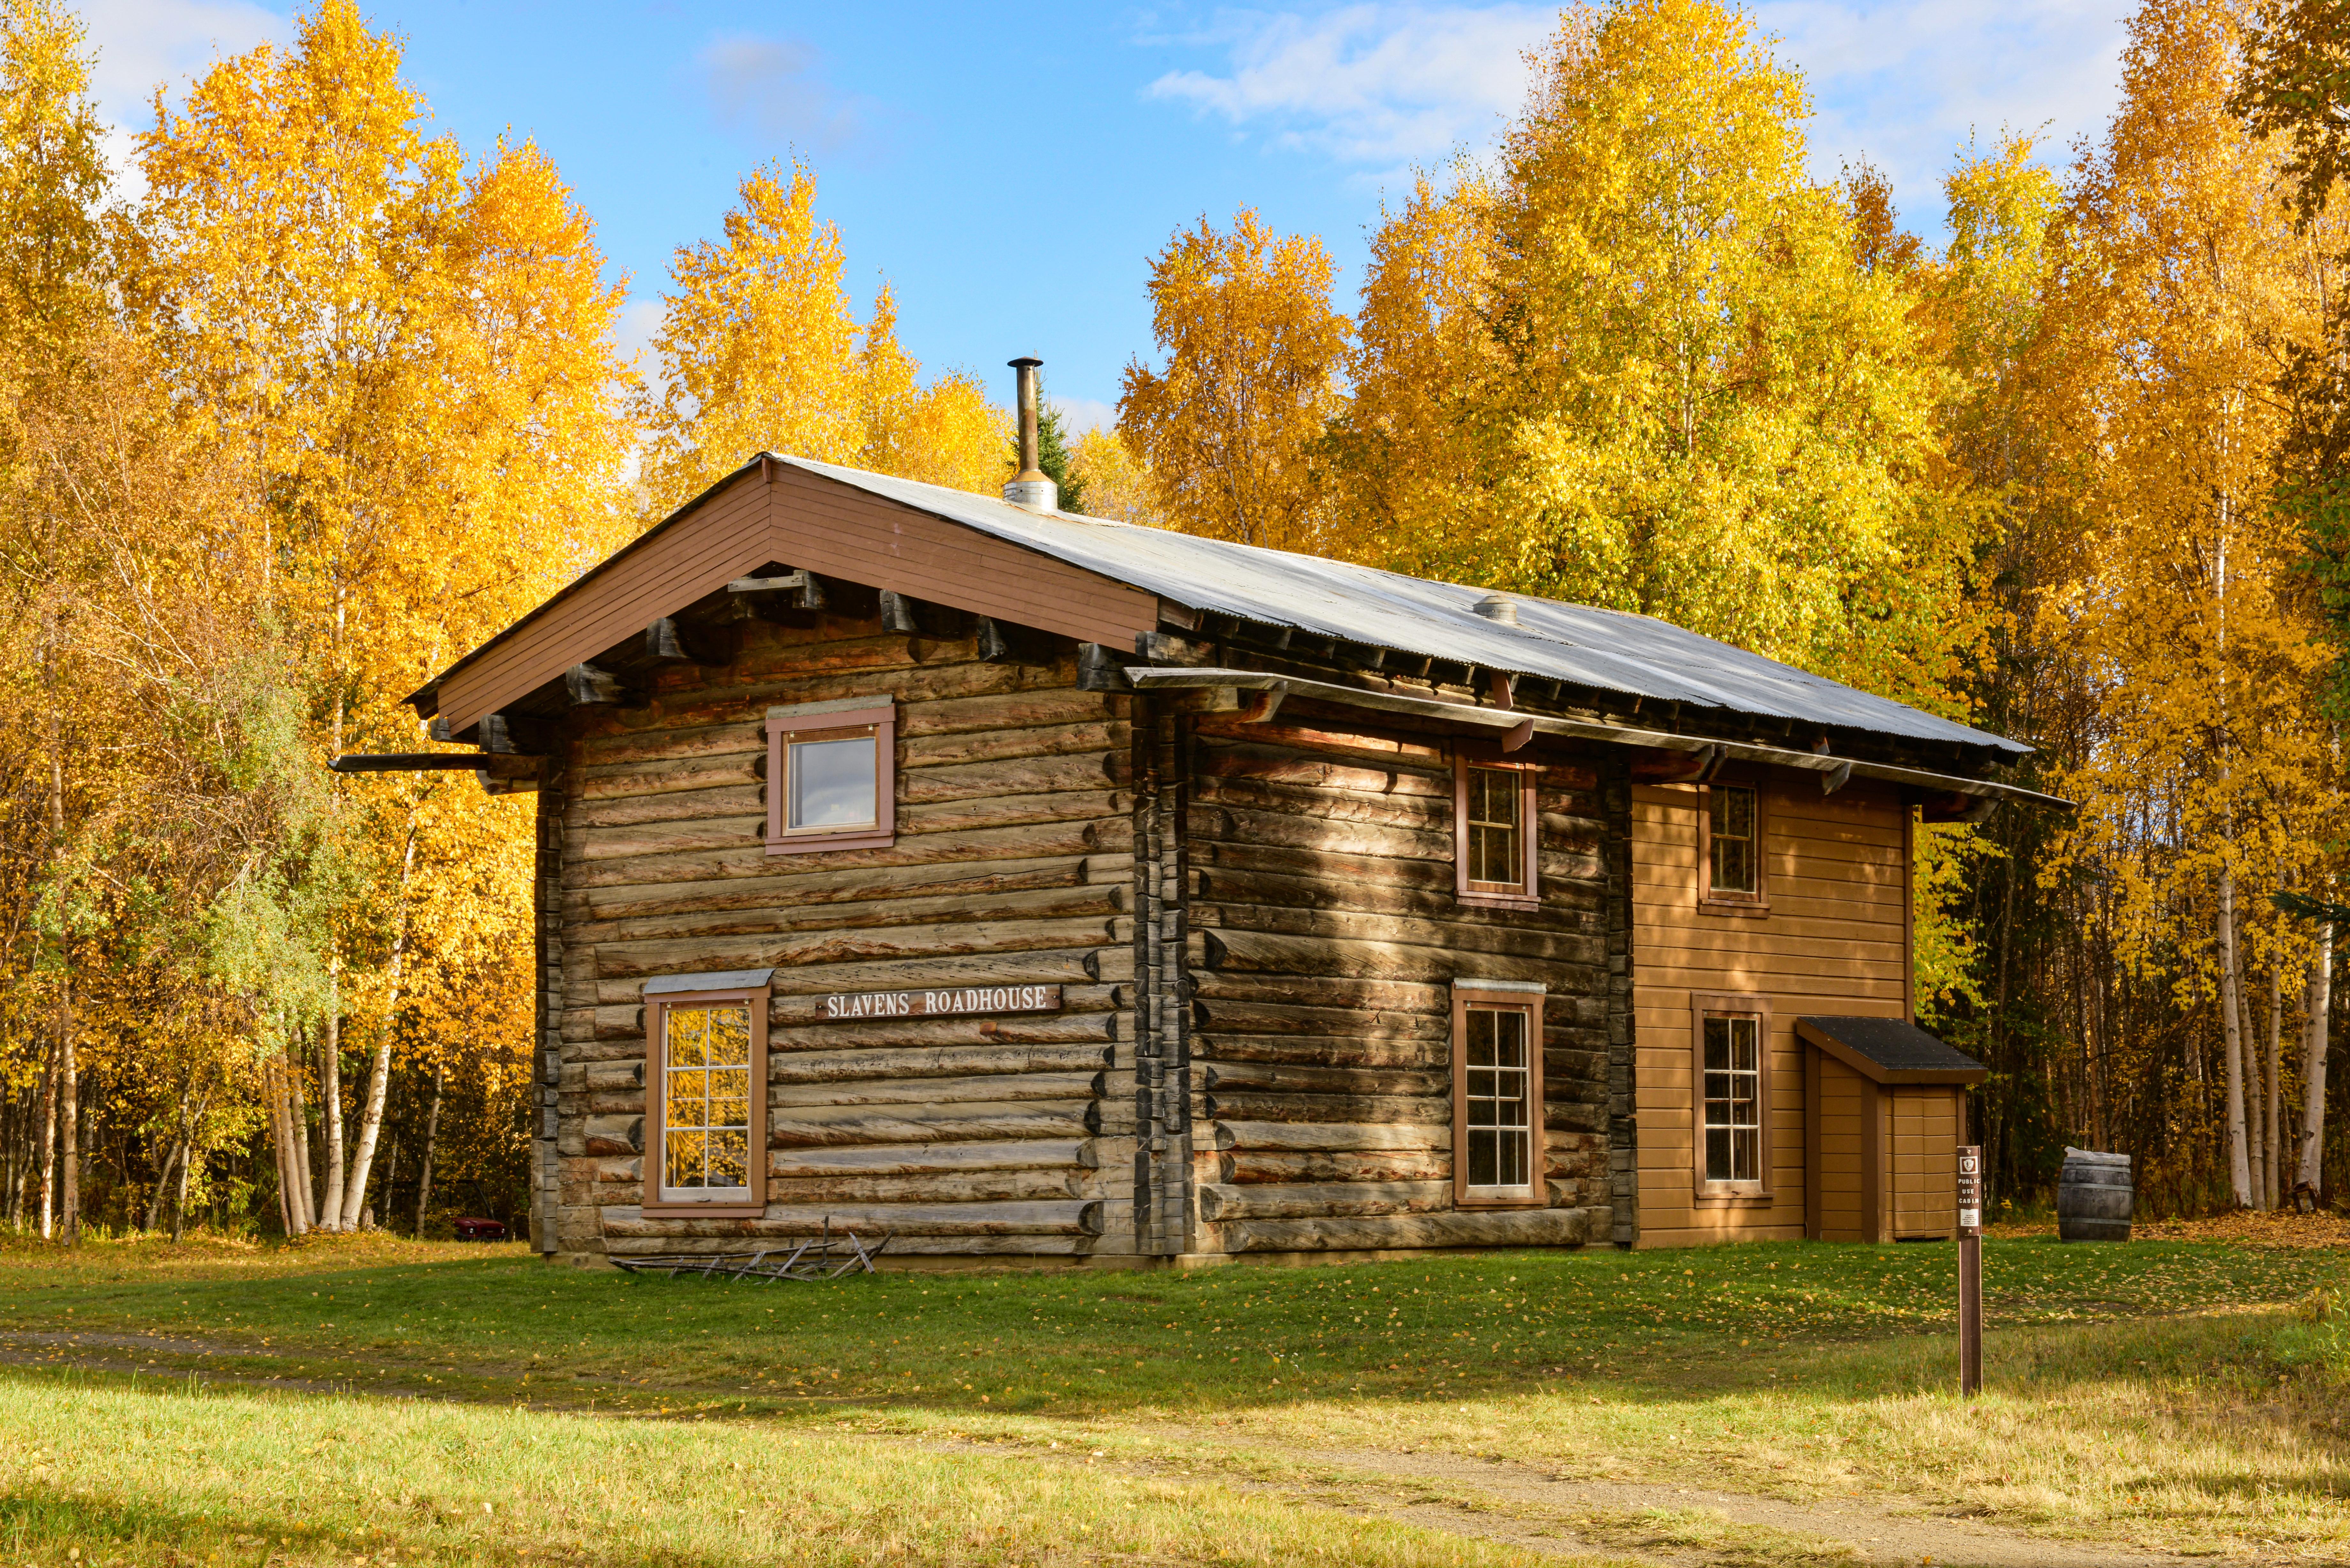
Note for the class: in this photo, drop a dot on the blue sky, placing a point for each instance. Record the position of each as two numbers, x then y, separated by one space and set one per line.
1012 168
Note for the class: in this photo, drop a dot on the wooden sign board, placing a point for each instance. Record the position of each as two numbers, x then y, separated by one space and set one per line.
1970 1189
960 1002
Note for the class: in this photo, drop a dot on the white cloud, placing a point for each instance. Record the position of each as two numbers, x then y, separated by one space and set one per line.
1386 84
1079 415
632 336
142 45
1903 82
1907 83
771 89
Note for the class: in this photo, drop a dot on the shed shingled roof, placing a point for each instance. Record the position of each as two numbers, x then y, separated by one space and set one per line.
1602 650
1896 1047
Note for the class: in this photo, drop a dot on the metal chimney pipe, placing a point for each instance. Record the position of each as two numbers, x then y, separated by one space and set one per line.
1031 487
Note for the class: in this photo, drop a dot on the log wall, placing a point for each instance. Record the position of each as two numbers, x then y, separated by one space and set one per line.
1012 864
1325 933
1836 941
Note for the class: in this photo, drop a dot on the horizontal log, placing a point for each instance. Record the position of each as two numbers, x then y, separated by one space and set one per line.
921 1159
1262 952
751 859
1220 758
1543 934
1249 1166
623 960
1000 743
1321 1050
664 775
1229 1077
934 1187
1354 993
1367 744
1232 1015
790 1098
1316 866
1319 810
961 816
1015 777
1222 822
712 802
932 698
1474 1228
1069 1217
618 1134
792 1026
788 885
1367 1137
901 1246
1322 1199
806 1126
1368 899
934 1062
1062 966
1399 1109
1036 903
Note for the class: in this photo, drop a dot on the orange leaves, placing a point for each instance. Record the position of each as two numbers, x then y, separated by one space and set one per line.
1228 430
760 351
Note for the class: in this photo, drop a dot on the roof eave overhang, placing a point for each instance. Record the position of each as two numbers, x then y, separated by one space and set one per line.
1502 721
1877 1071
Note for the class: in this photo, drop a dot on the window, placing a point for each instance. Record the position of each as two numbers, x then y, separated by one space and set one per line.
705 1094
831 775
1493 838
1733 1081
1730 849
1497 1124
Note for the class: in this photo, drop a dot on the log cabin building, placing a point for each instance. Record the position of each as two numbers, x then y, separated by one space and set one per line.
1030 886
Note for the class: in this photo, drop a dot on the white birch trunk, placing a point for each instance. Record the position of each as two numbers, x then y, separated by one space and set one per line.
2272 1092
2314 1045
330 1100
2240 1165
380 1070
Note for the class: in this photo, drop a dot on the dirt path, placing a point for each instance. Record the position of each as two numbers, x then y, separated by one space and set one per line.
1874 1531
1521 1504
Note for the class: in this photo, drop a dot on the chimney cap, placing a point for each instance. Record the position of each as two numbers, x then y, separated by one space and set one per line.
1025 359
1495 608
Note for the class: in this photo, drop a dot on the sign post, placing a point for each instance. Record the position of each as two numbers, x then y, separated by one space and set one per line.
1970 1192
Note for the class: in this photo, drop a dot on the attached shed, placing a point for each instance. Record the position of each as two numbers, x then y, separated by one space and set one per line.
1883 1114
1028 885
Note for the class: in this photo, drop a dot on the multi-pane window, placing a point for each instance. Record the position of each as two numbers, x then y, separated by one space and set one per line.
1495 848
1733 1048
706 1082
1497 1114
831 776
1732 858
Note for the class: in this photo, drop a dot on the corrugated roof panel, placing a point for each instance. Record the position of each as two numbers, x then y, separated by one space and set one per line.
1605 649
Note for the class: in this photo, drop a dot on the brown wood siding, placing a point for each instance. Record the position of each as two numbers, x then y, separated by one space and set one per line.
1835 940
1326 931
1011 864
803 521
1839 1181
1925 1159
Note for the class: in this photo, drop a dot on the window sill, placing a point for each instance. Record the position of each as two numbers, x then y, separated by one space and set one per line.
1501 1200
818 843
1733 906
1498 901
728 1210
1735 1198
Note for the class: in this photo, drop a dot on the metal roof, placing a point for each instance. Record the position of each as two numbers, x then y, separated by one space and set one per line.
1609 650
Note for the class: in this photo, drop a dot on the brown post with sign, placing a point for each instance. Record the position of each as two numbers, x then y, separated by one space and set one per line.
1970 1270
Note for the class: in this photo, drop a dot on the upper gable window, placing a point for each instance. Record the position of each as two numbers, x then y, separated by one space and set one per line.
1493 833
1729 849
831 775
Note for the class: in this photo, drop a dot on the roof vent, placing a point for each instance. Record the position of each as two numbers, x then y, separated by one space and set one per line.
1495 608
1032 487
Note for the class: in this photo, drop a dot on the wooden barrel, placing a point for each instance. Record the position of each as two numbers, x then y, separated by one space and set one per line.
2093 1196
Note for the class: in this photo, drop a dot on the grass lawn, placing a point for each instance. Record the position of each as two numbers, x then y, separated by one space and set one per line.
1696 1406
